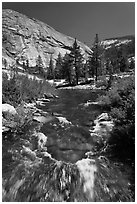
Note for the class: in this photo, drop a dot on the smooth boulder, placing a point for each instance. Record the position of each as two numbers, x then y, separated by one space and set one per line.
7 108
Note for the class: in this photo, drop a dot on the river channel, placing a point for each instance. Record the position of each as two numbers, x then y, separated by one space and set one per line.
71 106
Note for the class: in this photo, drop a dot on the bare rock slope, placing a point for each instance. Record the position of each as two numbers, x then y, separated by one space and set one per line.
25 38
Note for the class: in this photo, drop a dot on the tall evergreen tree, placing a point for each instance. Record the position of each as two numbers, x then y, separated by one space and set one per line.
67 68
86 71
58 67
76 58
95 56
91 65
27 63
50 72
40 67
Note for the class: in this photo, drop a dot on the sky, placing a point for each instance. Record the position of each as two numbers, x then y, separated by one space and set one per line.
82 20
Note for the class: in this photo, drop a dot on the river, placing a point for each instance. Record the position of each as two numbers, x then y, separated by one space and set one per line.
73 177
70 105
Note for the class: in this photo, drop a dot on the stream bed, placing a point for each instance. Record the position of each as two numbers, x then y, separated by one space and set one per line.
67 174
70 135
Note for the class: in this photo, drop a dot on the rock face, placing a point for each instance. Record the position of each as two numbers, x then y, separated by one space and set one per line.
24 39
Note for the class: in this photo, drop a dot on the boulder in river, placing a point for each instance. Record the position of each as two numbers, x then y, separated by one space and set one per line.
42 140
102 128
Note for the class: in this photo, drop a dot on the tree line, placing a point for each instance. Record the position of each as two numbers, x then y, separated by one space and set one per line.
73 67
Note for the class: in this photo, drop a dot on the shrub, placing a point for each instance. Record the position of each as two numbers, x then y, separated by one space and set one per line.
10 90
21 88
120 100
102 81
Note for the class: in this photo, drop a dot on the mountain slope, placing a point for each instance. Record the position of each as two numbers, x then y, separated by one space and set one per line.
125 42
25 38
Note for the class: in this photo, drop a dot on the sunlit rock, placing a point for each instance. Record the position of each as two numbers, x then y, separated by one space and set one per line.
7 108
102 117
29 38
5 129
26 151
63 121
42 140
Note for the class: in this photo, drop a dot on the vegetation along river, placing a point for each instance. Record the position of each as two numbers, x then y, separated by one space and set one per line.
71 174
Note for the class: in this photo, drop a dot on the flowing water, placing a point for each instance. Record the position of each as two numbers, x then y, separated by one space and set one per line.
69 138
66 174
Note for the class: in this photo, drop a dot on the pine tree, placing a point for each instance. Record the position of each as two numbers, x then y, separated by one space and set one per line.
39 63
67 68
95 56
50 73
58 67
40 67
76 58
27 63
91 65
86 71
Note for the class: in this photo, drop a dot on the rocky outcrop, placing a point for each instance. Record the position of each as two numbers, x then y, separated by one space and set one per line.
25 39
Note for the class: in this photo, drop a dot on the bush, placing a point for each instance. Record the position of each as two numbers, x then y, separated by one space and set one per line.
102 81
10 90
20 122
21 88
120 100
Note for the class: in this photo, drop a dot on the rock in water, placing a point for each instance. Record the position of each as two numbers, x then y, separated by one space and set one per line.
26 38
42 139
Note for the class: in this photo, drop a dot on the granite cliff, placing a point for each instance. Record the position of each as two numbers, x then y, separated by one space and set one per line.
24 39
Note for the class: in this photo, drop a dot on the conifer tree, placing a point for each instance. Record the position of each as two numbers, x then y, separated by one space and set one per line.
58 67
27 63
67 68
76 58
40 67
91 65
86 70
50 72
39 62
95 56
